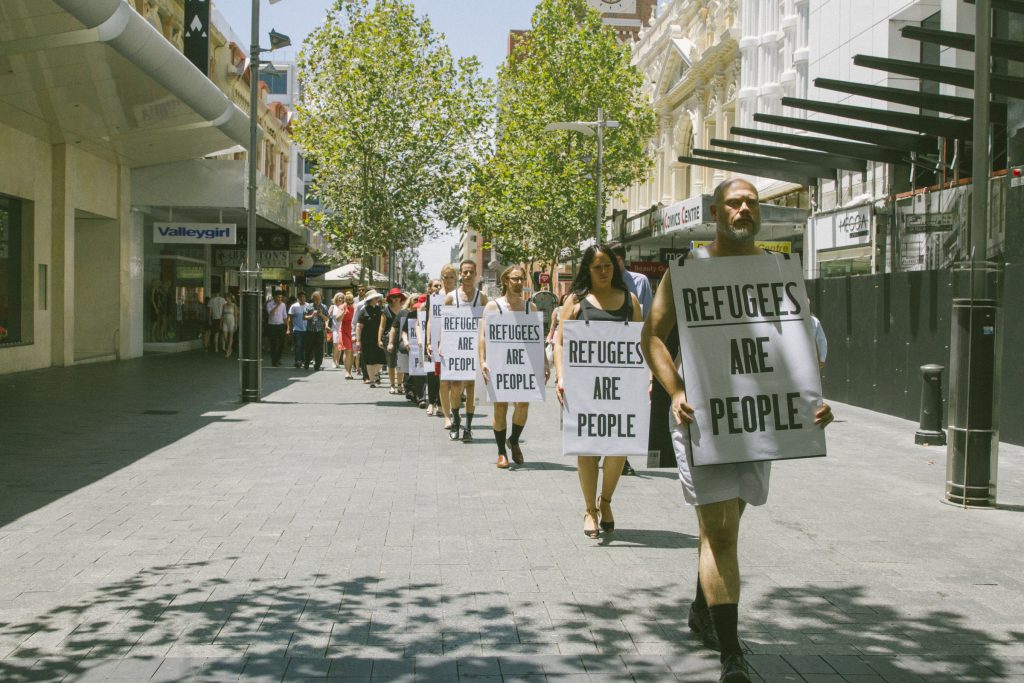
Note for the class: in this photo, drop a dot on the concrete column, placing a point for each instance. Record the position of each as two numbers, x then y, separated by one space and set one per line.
62 259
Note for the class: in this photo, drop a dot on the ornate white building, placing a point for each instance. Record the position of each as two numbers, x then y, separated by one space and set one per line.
710 65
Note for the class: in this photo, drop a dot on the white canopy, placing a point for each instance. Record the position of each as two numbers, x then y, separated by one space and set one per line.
347 276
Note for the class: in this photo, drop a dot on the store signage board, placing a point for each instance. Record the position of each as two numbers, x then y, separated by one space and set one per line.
197 34
688 213
931 222
779 247
195 233
606 410
266 258
751 365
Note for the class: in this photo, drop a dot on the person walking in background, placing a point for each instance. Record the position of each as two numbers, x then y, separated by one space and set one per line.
216 306
334 315
368 337
315 314
297 328
277 314
360 302
598 293
345 331
467 294
433 380
396 299
448 281
229 323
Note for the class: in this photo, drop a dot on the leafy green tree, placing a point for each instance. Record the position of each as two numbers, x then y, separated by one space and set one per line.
535 193
393 123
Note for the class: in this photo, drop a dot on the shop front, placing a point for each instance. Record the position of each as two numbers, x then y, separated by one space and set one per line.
842 242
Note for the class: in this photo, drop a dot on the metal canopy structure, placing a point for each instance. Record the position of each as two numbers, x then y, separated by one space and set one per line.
1010 86
798 167
1007 49
846 163
958 106
904 141
1016 6
765 170
929 125
854 149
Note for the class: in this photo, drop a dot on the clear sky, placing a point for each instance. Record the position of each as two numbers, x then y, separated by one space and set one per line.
472 27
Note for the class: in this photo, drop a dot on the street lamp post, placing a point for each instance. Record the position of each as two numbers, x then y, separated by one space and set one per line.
250 343
588 128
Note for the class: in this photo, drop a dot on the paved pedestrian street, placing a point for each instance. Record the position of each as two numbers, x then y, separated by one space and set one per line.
153 528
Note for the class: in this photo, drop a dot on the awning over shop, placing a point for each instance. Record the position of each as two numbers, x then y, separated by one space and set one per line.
349 275
95 74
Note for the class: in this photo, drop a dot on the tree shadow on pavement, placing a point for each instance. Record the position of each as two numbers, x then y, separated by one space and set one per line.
65 428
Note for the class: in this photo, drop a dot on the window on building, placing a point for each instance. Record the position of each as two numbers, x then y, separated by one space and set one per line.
277 82
10 271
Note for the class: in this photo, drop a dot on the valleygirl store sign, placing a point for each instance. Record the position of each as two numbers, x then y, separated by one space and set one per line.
195 233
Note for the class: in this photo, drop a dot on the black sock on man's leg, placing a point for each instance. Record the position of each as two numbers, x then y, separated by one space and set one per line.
517 431
699 601
725 620
456 420
499 437
469 421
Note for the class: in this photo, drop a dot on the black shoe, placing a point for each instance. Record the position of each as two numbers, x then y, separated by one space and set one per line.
467 435
700 624
627 470
734 670
453 432
298 365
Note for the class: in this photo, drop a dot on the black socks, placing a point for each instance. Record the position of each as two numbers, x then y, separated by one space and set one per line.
699 602
469 421
517 431
499 437
724 618
456 420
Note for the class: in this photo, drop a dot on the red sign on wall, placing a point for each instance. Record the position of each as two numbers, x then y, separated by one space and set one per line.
655 269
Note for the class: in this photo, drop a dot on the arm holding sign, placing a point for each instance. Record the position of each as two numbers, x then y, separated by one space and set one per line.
652 340
567 312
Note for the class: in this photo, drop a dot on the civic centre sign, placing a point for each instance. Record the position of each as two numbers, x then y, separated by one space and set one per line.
688 213
195 233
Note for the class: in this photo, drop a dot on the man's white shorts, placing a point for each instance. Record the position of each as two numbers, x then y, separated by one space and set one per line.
715 483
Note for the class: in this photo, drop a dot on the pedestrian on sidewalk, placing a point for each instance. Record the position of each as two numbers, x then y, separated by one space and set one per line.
334 316
216 306
449 278
315 314
467 294
415 386
433 378
598 293
344 340
640 286
360 302
277 314
512 281
368 336
395 302
229 323
720 493
297 328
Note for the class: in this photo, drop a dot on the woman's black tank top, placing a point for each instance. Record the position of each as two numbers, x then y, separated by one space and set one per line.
623 313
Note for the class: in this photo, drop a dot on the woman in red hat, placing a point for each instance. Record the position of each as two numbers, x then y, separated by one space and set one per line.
395 299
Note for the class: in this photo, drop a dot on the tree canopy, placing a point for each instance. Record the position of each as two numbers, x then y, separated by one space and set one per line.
535 191
393 124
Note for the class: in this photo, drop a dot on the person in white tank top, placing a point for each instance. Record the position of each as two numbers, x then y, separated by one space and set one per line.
512 281
466 293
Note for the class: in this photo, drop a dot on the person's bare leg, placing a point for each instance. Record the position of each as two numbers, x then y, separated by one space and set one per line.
391 376
348 361
586 469
336 354
499 422
720 573
446 402
612 473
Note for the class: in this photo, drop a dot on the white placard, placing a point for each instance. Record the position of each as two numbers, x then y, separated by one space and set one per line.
607 410
749 359
436 303
415 355
458 340
514 344
195 233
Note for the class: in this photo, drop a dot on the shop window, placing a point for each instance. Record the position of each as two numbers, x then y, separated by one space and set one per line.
175 308
11 314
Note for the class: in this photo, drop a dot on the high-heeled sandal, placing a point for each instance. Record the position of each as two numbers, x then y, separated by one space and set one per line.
591 533
601 503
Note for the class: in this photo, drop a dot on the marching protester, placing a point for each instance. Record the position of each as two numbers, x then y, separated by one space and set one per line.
315 315
512 281
719 493
434 406
277 313
415 382
297 328
639 286
395 301
448 282
344 341
598 294
368 337
467 294
335 313
357 356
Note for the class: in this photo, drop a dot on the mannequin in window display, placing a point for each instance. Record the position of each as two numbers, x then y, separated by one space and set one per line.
157 300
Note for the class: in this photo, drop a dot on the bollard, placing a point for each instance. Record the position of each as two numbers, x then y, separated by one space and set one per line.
931 432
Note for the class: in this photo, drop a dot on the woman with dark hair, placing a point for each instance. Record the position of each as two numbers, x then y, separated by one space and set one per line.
598 293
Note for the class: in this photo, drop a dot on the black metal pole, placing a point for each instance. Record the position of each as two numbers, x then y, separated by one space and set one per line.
250 345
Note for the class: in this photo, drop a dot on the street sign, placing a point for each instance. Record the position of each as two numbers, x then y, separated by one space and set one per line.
197 34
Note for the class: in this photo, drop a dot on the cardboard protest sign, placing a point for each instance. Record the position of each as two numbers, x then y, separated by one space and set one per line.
514 342
458 344
606 409
436 303
749 359
416 366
